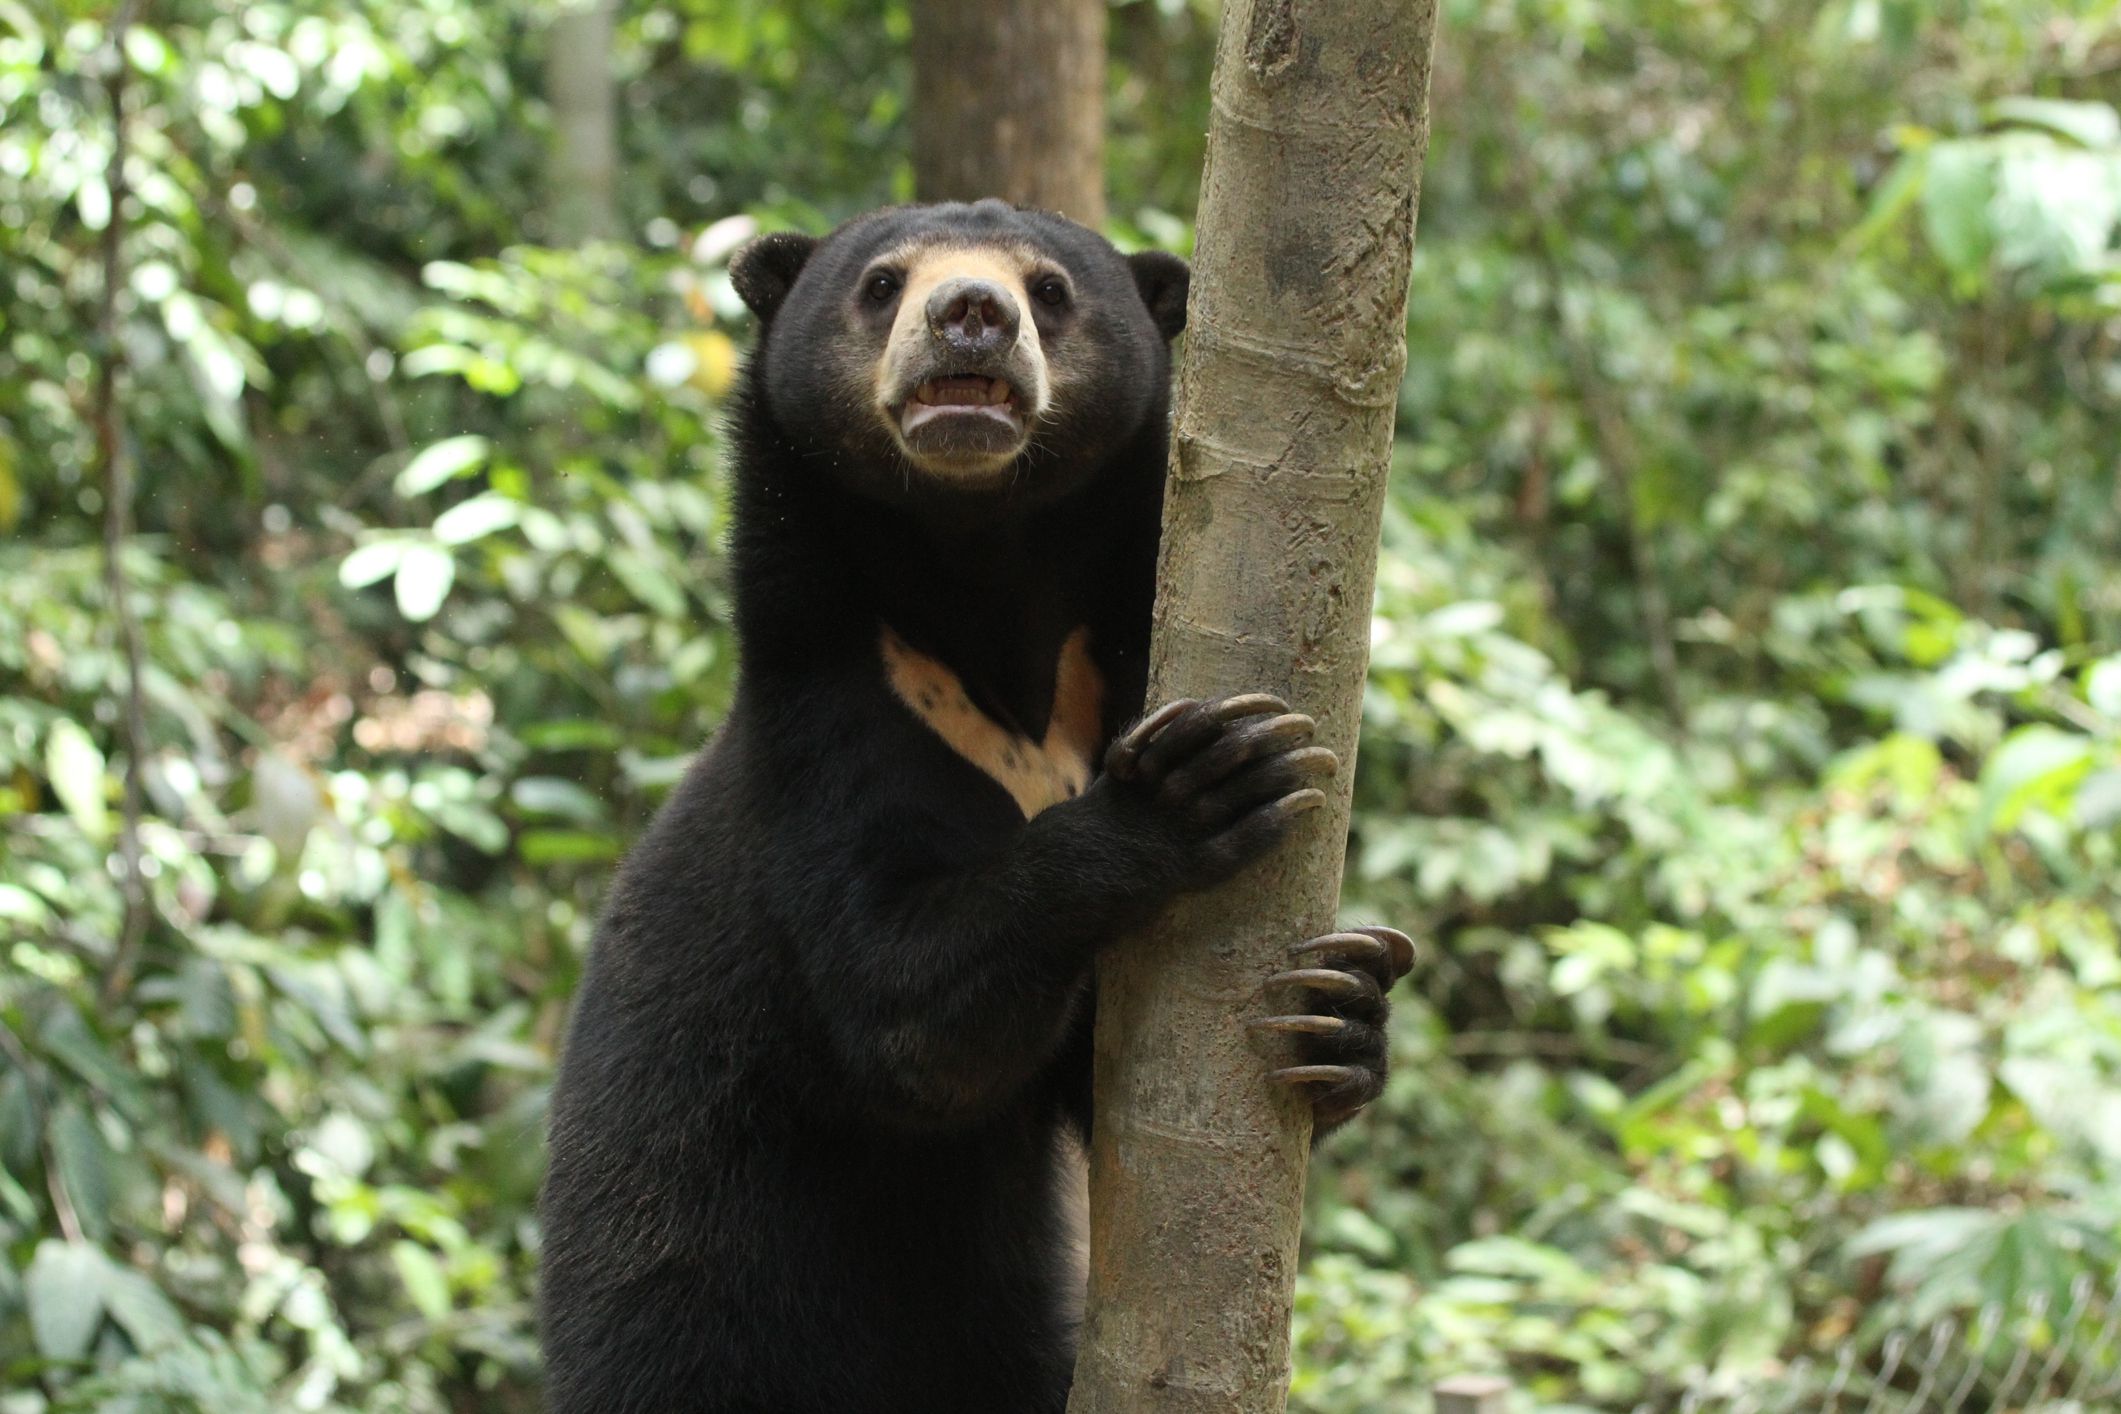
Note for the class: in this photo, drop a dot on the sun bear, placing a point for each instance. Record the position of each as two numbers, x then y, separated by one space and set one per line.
810 1140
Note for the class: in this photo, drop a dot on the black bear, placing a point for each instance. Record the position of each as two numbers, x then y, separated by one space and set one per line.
812 1136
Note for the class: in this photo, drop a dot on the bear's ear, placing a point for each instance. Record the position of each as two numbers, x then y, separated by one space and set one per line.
764 270
1163 279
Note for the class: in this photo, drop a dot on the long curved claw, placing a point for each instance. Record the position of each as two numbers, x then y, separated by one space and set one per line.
1175 730
1344 986
1250 765
1398 944
1200 729
1356 947
1124 756
1383 954
1346 975
1318 1075
1299 1025
1275 815
1302 763
1287 728
1248 704
1241 745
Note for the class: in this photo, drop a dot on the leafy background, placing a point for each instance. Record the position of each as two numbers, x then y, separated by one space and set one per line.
1743 738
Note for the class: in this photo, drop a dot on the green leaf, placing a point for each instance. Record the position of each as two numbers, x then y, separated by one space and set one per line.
424 577
205 1000
2098 803
1468 618
648 582
553 795
2036 765
476 518
1352 1229
590 635
1900 190
566 846
65 1288
19 905
424 1280
147 50
2055 209
570 734
213 1104
2102 686
67 1038
1932 1234
1955 206
18 1122
321 992
473 823
442 461
2092 124
140 1308
654 772
73 1285
377 560
83 1161
77 772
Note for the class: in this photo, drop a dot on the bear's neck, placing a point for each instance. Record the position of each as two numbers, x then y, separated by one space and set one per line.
819 573
993 603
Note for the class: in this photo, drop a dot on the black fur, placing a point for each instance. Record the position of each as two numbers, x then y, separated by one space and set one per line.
835 1025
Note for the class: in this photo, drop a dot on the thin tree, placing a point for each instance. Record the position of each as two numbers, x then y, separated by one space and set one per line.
1009 101
1287 387
582 169
114 453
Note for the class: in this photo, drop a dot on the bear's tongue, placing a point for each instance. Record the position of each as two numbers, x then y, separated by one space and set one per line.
963 390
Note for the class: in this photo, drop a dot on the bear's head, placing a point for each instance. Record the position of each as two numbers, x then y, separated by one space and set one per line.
953 350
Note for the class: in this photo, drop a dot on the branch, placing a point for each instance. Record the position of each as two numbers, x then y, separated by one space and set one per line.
115 456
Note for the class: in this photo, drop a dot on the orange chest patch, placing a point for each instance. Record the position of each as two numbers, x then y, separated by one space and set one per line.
1037 774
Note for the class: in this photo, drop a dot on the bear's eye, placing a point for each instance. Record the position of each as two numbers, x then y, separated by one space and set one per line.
1051 291
880 287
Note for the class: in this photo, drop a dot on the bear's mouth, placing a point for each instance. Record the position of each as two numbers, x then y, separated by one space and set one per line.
954 397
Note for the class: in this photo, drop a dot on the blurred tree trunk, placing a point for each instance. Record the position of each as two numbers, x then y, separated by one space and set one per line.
1287 388
582 175
1009 101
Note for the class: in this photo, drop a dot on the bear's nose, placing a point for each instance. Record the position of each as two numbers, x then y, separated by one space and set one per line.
972 316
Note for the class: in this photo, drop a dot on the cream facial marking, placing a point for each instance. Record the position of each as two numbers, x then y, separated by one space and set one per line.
955 413
1037 774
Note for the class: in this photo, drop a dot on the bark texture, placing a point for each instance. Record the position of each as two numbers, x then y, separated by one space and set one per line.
1287 388
580 87
1009 101
114 451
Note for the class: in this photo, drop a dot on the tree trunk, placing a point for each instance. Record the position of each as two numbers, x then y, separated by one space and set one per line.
582 178
1287 388
1009 101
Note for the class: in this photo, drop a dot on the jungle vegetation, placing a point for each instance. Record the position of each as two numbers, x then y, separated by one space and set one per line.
1742 739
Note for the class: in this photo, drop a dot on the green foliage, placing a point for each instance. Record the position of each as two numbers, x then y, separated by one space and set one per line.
1743 739
1771 997
433 614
